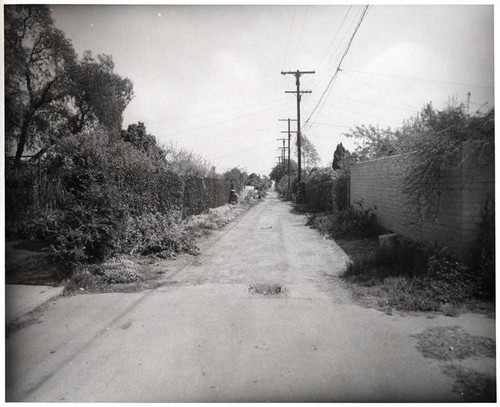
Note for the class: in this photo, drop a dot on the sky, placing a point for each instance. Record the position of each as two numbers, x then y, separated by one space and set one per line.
208 78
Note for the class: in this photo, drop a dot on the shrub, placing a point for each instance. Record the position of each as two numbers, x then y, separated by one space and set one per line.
340 190
113 271
156 233
483 259
450 281
414 277
318 188
349 223
95 199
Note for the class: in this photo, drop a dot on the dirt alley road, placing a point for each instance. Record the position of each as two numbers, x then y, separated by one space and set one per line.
202 336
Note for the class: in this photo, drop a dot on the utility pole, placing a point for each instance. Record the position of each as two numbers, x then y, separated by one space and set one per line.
297 75
283 155
289 194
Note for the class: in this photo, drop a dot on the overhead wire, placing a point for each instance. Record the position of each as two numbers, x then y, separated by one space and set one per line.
354 111
373 104
418 79
332 125
244 150
301 31
332 80
330 62
222 109
379 90
334 37
289 35
223 121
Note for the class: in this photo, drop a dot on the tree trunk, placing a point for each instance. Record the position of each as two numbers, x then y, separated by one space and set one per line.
22 139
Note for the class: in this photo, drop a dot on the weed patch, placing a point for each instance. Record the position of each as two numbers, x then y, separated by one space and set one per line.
347 223
452 342
117 270
471 385
152 239
412 277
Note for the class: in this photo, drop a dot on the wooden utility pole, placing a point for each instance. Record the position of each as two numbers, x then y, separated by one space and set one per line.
289 193
283 155
297 75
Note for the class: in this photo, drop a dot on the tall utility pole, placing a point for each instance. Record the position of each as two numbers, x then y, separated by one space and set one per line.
283 155
297 75
289 194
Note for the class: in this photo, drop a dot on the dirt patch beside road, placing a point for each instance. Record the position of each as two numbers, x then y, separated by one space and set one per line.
27 262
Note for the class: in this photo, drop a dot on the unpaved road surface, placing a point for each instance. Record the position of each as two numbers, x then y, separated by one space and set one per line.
204 336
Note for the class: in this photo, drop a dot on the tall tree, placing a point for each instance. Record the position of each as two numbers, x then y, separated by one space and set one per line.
311 157
137 135
99 93
342 158
375 142
38 59
236 178
281 169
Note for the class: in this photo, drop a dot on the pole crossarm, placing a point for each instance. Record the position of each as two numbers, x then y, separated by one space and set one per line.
296 73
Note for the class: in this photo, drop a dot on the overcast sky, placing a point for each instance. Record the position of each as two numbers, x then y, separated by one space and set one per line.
207 78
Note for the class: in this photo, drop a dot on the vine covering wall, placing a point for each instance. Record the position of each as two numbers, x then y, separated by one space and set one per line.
460 199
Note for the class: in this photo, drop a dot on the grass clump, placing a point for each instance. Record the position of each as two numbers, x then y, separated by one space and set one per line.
471 385
117 270
348 223
413 277
452 342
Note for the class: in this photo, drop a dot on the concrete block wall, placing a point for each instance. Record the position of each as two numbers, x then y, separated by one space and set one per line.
462 196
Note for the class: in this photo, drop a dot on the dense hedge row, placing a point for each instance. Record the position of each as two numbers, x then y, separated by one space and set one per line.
91 199
26 194
201 194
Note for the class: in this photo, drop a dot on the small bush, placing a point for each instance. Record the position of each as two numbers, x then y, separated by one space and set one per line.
349 223
112 271
414 278
318 188
117 271
483 260
156 233
340 190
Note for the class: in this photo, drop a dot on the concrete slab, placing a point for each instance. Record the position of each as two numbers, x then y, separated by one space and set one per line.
21 299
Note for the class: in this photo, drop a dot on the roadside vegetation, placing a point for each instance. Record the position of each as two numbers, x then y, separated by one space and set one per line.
132 272
412 276
92 193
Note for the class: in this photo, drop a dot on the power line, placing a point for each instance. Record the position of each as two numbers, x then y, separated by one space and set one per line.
223 121
244 150
332 125
340 63
376 104
231 134
223 109
335 36
301 31
289 35
379 90
419 79
326 71
356 112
